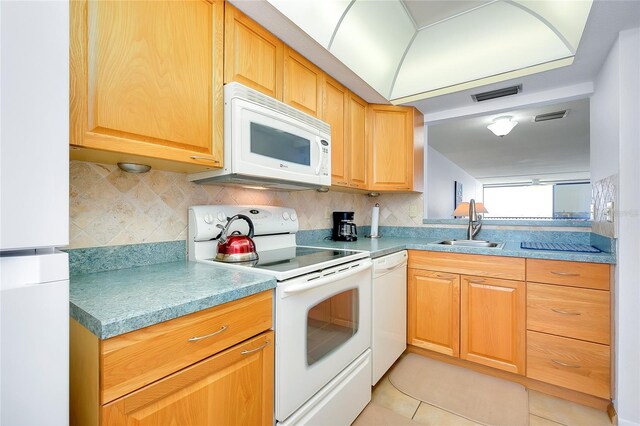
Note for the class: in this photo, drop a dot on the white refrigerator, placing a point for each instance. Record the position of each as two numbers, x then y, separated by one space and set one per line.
34 212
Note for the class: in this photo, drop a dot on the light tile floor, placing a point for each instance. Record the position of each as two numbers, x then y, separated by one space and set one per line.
390 407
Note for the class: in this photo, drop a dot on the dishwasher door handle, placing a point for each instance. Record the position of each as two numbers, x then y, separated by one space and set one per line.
390 268
319 282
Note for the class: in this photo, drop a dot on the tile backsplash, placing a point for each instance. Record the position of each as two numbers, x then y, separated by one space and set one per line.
603 191
110 207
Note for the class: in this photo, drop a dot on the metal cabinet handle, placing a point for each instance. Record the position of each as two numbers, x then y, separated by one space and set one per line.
197 157
560 311
565 274
564 364
477 281
249 351
341 183
195 339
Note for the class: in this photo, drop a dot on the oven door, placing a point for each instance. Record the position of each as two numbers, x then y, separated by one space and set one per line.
269 143
323 323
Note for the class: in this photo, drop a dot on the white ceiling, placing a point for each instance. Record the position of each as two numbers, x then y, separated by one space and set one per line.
410 50
549 150
428 13
605 20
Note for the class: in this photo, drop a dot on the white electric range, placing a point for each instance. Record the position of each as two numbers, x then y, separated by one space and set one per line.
322 312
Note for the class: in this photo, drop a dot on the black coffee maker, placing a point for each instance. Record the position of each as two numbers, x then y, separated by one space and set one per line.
343 227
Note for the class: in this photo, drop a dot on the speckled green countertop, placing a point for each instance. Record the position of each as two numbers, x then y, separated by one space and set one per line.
386 245
116 302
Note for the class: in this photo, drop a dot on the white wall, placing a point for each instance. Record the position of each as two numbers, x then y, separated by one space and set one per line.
628 291
441 175
604 111
615 140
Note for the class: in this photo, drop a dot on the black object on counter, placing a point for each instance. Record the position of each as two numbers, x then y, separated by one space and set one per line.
343 227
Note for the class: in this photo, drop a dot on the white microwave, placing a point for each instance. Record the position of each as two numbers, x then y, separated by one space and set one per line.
270 144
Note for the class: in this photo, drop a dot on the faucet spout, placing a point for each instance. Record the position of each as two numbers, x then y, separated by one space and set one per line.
475 221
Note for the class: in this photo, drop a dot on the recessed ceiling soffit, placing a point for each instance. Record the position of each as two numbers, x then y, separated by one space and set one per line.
414 49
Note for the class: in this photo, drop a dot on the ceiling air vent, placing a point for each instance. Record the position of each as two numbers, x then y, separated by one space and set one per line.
551 116
493 94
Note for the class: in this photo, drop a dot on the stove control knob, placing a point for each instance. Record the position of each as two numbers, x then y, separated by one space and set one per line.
285 215
208 219
221 217
294 216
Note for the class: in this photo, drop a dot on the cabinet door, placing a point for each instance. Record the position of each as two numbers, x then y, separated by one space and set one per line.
303 83
234 387
492 328
358 151
391 135
252 55
334 112
433 300
142 88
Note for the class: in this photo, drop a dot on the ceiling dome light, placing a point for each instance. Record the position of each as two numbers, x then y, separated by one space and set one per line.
502 125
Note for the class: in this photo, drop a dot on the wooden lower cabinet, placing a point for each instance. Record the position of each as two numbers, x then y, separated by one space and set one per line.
212 367
492 319
487 311
434 311
234 387
570 363
569 325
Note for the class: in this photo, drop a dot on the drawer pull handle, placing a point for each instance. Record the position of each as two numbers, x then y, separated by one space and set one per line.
195 339
477 281
197 157
565 274
442 276
565 364
560 311
250 351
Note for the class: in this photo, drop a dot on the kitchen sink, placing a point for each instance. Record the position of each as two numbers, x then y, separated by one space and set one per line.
471 243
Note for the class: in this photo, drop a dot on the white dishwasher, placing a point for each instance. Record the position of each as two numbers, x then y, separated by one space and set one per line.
389 312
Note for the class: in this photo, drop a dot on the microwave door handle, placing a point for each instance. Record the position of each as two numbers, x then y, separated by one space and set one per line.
320 155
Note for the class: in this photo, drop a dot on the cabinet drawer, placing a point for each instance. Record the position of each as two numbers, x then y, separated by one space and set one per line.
574 274
468 264
133 360
234 387
567 311
574 364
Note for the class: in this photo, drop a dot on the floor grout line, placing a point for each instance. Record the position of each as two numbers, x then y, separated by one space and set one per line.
546 418
417 408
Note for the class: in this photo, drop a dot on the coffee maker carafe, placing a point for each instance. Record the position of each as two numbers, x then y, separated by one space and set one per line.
343 227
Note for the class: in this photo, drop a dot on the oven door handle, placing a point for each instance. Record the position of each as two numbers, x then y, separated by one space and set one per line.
308 285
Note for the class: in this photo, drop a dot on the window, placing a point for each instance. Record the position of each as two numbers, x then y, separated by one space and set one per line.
550 201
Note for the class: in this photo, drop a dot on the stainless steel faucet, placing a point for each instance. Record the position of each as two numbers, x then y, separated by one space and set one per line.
475 221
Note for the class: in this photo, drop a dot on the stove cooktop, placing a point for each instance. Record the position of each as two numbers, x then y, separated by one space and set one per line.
288 262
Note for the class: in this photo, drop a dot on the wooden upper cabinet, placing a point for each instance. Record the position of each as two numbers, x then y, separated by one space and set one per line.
303 83
142 89
335 113
252 55
358 149
392 141
492 323
347 115
234 387
433 311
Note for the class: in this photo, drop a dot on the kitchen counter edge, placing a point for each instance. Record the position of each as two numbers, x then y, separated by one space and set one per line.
112 303
383 246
